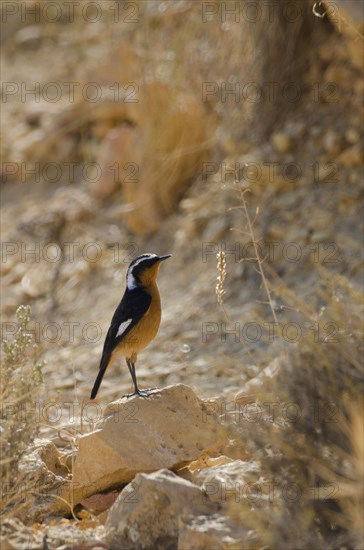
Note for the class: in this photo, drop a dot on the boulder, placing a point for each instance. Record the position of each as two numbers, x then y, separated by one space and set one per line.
168 429
149 510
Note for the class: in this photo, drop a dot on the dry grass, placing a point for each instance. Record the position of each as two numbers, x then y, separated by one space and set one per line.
221 268
353 502
21 375
316 448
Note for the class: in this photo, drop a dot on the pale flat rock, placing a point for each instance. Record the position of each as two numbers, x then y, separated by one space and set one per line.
168 429
149 511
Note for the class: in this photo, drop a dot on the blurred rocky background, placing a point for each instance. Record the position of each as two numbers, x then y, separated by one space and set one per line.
191 128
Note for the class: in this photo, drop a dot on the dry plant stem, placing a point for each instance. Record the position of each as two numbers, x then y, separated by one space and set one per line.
73 469
257 255
219 289
221 267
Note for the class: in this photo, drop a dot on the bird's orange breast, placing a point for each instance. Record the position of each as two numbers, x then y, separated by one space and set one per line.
144 332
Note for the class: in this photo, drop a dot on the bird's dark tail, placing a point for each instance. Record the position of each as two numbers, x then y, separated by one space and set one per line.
103 366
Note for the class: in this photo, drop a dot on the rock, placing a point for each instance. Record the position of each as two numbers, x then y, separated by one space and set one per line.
215 532
352 135
255 386
148 511
100 502
86 534
51 457
231 481
332 142
30 37
14 535
282 142
199 464
353 156
37 280
166 430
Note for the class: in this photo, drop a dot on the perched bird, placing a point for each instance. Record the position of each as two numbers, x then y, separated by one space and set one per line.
136 320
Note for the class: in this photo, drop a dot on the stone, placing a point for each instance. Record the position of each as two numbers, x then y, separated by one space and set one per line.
85 534
255 386
29 37
168 429
148 510
353 156
14 535
229 481
215 532
352 135
332 142
282 142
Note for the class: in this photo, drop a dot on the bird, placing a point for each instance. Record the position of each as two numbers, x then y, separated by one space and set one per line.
136 320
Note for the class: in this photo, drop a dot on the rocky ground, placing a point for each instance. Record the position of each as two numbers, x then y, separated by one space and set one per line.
87 186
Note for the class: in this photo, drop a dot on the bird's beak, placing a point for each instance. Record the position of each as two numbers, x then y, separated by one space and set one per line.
162 258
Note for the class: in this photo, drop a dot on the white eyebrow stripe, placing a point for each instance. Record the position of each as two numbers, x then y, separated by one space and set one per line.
146 257
122 328
130 279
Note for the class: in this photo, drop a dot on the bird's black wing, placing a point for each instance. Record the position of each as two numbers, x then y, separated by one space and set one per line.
133 306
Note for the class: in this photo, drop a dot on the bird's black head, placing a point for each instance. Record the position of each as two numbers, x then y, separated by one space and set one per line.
143 270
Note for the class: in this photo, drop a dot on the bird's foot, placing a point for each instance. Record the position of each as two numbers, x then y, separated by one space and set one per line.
127 395
141 393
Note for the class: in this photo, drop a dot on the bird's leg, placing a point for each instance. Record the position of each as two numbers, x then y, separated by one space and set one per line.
137 391
131 367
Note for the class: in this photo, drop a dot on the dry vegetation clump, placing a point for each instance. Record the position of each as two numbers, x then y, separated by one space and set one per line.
352 501
309 437
310 441
20 378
